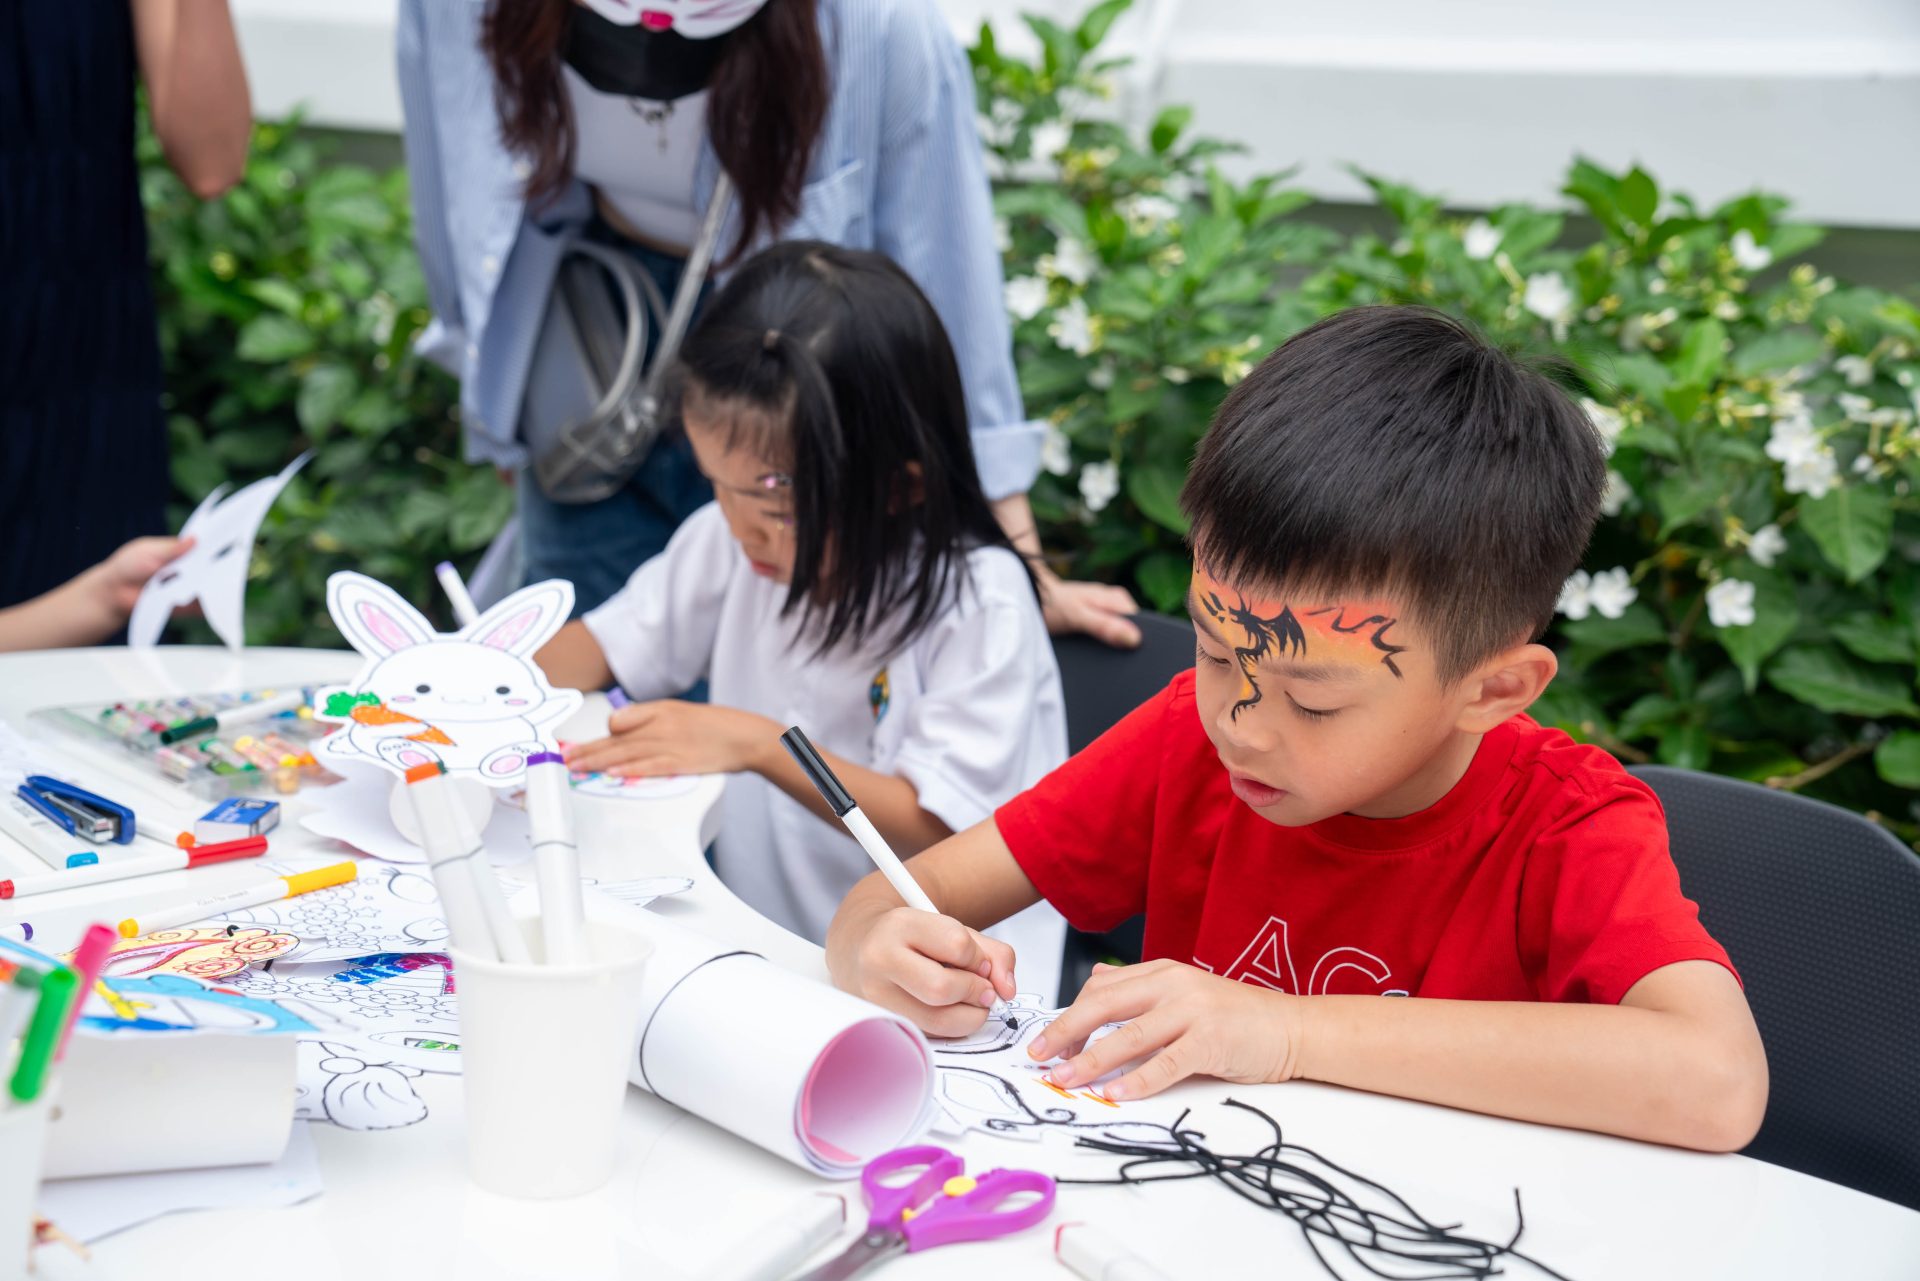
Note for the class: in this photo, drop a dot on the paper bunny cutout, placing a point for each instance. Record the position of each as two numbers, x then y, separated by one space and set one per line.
474 700
214 570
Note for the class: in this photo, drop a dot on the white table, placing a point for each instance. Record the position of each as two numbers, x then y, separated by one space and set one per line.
398 1207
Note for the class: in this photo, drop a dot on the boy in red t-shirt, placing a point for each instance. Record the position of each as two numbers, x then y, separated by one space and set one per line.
1345 801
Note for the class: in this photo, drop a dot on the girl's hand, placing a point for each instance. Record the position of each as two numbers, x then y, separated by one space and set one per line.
1200 1024
930 969
649 740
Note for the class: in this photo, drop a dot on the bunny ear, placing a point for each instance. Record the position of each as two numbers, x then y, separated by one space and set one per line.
372 616
524 621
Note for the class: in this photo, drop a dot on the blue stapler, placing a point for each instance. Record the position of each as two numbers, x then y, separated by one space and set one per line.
90 817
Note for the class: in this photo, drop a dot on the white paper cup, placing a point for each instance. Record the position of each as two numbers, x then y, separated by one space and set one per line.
544 1052
23 1133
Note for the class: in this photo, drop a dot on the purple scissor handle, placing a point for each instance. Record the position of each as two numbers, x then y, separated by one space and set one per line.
939 1205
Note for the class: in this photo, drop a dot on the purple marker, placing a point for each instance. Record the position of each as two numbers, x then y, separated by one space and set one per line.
618 697
18 931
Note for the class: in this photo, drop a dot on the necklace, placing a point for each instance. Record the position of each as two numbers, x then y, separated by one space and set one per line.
656 114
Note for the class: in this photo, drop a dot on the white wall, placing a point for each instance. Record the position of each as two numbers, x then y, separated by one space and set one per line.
1484 100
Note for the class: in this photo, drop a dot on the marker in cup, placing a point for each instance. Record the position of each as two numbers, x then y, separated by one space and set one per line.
450 862
557 862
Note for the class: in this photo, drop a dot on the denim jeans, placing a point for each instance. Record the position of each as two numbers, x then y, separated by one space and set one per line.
597 546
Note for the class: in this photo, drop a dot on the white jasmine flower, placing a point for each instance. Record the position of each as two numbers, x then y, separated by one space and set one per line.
1070 260
1548 297
1857 370
1605 420
1482 238
1099 482
1813 474
1727 309
1576 596
1056 451
1148 210
1025 296
1072 328
1656 286
1401 247
1854 405
1793 437
1730 603
1100 377
1610 592
1766 545
1617 494
1175 375
1863 465
1750 255
1050 138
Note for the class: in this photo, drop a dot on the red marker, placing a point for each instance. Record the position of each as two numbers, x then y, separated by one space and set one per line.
122 868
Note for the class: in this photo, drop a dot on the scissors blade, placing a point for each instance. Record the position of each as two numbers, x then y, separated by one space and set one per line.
873 1248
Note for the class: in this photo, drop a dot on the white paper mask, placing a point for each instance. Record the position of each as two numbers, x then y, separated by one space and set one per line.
694 19
214 570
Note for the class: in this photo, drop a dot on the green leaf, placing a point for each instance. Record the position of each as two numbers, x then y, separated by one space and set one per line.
1684 746
1703 353
1642 375
1094 27
1167 127
277 294
1781 349
1876 639
1776 612
1852 526
1164 577
1639 625
269 338
325 392
1823 677
1155 490
1682 496
1898 758
1649 714
1638 197
1790 238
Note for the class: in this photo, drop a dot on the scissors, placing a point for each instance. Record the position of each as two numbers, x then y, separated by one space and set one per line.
921 1198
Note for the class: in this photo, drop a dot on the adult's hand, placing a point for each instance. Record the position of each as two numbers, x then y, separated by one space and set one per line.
1098 609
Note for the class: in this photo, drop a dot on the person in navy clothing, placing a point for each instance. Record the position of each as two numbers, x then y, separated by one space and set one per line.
83 450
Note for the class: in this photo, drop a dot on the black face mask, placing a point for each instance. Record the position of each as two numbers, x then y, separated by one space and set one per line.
634 62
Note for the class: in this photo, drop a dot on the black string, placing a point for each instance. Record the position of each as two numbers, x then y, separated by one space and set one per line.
1344 1216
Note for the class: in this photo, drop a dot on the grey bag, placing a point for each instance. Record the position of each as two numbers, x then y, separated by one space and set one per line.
590 414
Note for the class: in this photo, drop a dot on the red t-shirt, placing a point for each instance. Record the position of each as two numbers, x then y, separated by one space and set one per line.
1543 874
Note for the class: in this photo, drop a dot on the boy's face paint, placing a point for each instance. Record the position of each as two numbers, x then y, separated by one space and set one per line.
1318 707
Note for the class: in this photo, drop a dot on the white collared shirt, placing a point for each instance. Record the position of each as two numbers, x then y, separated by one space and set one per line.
970 712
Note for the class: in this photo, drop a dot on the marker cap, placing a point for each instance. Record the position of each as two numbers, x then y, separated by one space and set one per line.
321 877
546 758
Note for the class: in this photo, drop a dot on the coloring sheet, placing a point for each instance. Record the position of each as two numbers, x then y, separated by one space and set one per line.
986 1082
214 570
383 909
474 699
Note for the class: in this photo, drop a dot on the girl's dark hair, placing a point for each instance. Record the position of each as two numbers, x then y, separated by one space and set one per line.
1395 450
832 365
765 105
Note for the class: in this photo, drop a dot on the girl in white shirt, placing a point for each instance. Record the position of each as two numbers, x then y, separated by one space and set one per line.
849 578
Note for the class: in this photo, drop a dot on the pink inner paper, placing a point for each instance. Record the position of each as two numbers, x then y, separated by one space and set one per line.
864 1093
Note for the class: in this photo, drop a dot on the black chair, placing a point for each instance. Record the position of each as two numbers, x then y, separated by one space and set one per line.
1820 910
1102 684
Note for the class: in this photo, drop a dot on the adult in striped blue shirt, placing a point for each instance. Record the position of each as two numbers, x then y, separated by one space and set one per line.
850 121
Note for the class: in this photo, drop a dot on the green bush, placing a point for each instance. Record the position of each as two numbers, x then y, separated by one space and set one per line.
1749 604
288 309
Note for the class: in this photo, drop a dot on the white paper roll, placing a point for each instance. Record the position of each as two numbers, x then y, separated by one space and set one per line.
804 1070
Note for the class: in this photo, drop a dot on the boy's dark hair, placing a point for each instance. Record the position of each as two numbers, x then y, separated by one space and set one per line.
831 363
1393 451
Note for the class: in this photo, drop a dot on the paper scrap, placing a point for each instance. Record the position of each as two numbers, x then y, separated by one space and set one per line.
214 570
96 1208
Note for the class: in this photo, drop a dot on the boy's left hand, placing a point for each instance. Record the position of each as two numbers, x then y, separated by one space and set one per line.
650 740
1200 1024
